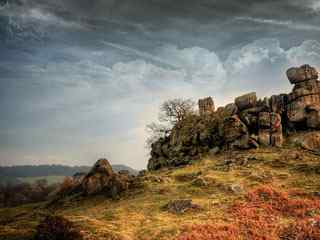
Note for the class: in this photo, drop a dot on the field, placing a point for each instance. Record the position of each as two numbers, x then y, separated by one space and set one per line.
222 186
50 179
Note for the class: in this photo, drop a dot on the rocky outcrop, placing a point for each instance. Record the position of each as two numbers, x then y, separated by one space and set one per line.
206 106
270 129
246 101
102 179
303 101
247 123
192 137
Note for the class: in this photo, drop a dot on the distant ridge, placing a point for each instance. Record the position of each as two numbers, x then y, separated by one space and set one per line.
14 172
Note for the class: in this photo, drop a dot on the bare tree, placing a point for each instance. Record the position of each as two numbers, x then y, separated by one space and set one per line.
175 110
171 112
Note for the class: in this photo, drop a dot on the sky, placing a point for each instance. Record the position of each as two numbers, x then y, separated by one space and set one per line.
81 79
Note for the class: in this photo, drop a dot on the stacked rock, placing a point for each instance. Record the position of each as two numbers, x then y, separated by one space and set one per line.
304 100
270 129
235 133
255 122
206 106
246 123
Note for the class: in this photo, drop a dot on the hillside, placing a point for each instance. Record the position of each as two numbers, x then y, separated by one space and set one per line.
215 184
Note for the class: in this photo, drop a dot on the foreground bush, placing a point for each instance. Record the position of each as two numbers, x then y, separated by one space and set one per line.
57 228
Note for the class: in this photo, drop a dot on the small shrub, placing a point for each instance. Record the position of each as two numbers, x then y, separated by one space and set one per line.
259 218
306 229
211 232
66 186
57 228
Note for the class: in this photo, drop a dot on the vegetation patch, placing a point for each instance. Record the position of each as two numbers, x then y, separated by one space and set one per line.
263 216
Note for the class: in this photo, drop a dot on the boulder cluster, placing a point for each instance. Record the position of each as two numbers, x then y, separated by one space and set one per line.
100 180
246 123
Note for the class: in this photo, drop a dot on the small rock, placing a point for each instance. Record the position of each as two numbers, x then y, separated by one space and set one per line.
142 173
199 182
246 101
236 189
180 206
214 151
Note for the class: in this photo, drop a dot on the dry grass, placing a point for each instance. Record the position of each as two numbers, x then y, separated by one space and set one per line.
139 214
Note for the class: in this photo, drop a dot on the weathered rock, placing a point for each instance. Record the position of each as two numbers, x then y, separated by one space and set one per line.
276 139
264 137
102 166
206 106
250 119
101 179
278 103
78 177
301 74
236 135
270 129
229 110
313 116
309 141
199 182
189 139
305 93
246 101
264 120
180 206
233 129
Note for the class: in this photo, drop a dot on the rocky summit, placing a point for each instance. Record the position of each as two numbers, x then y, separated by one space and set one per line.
247 123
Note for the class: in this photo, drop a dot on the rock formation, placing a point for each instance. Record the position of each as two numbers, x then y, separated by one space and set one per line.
303 101
206 106
249 122
102 179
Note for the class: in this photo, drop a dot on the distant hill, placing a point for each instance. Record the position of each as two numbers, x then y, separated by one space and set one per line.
14 174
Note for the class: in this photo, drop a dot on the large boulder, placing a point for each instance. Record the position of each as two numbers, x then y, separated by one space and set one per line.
309 141
246 101
227 111
313 116
102 180
233 128
305 93
270 129
235 134
301 74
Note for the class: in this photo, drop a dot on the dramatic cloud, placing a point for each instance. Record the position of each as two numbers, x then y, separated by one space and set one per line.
80 79
288 24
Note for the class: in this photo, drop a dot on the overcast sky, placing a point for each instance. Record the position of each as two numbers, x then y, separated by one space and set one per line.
80 79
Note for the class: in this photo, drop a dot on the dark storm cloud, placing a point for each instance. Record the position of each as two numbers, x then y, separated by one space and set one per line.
81 78
161 11
149 23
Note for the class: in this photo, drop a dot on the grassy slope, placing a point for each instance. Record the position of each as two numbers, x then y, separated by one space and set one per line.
138 215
